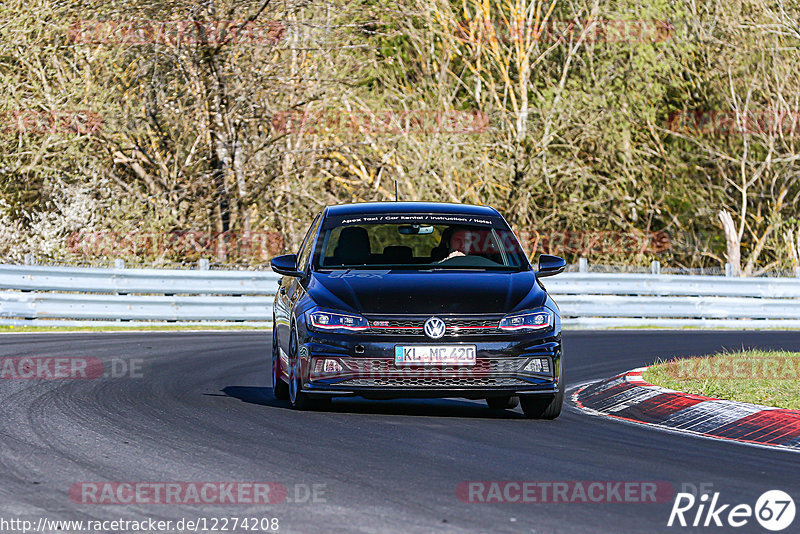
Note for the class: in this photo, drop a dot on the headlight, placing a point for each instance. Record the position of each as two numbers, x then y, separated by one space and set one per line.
540 319
325 320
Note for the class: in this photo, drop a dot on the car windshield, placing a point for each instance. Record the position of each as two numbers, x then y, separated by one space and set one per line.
418 245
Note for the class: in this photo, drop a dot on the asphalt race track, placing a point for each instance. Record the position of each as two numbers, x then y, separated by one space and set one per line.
200 408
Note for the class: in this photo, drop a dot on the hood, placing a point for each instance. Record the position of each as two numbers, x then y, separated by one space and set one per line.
438 292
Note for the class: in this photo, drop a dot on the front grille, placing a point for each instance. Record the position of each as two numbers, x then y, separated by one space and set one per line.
363 366
472 323
435 381
455 327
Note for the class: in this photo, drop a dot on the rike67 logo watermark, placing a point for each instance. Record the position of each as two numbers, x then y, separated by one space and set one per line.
774 510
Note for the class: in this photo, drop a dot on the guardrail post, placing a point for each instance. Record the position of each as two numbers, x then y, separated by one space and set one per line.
119 263
202 265
655 267
583 265
728 269
30 259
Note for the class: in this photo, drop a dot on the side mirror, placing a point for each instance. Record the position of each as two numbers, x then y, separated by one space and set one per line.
286 265
550 265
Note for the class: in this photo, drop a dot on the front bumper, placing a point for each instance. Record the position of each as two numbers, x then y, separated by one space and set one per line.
368 369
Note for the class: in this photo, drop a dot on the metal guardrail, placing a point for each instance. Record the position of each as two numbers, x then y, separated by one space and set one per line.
120 280
133 307
671 285
40 295
47 296
598 300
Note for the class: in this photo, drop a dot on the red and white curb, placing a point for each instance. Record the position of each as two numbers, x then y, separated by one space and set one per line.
628 397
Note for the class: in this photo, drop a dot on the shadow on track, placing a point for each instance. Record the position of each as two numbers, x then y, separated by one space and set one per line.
262 396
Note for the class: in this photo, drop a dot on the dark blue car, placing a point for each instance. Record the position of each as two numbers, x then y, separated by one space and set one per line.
413 299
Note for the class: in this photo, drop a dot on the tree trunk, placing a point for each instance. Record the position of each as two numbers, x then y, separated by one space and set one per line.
734 255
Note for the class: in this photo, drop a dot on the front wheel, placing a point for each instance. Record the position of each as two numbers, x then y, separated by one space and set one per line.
544 406
279 388
298 399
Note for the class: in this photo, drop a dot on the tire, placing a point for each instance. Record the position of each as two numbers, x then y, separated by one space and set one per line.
544 406
279 388
502 403
298 399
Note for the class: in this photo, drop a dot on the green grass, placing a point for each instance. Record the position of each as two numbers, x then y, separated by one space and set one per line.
165 328
770 378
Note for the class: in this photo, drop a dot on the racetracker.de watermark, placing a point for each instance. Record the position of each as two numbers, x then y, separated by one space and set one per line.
69 368
203 493
601 242
176 32
752 368
719 122
34 121
568 491
483 31
382 121
149 525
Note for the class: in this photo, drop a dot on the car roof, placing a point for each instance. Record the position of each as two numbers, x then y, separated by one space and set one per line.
411 207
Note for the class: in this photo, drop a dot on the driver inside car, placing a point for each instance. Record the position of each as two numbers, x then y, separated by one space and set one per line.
460 242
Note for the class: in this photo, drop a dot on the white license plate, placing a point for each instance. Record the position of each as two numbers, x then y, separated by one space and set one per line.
434 354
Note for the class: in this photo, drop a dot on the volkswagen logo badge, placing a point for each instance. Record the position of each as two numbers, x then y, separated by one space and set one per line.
434 328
